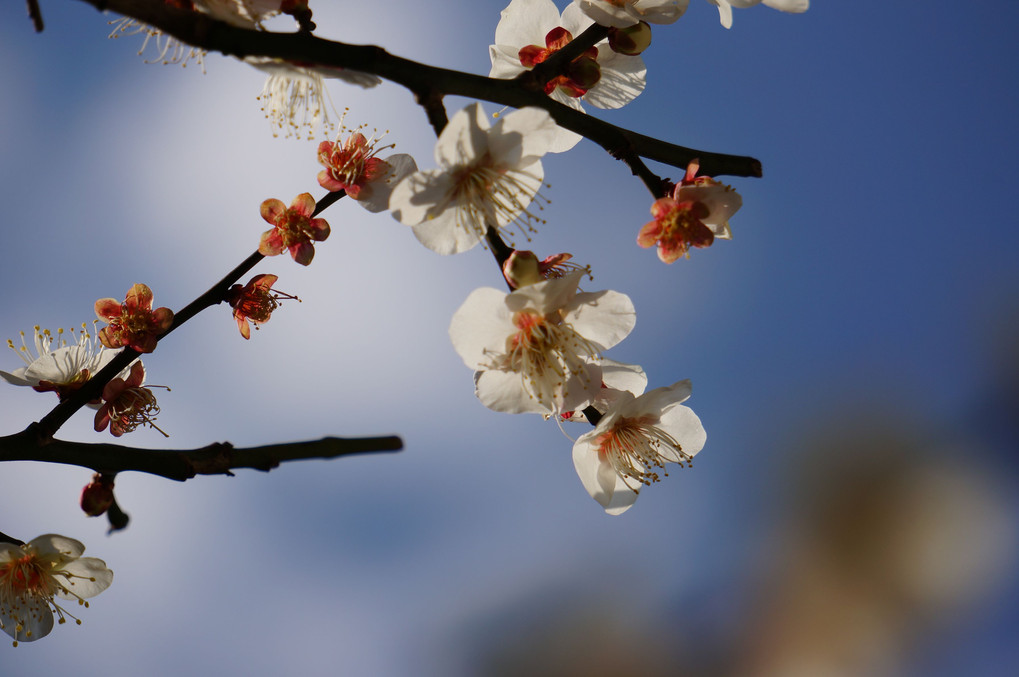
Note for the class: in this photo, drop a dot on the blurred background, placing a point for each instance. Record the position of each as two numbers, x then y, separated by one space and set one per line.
852 350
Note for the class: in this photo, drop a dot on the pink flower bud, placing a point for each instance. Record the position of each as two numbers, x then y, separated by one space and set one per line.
97 495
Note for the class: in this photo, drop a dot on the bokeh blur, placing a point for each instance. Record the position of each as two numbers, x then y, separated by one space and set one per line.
853 352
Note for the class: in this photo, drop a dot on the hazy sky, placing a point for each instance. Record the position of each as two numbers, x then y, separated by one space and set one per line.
872 274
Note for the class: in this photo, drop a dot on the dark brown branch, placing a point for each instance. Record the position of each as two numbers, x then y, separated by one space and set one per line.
183 464
35 15
435 109
4 538
202 31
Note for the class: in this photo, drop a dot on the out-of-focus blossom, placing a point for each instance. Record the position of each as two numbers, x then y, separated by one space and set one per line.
530 31
353 166
534 349
97 496
240 13
487 177
169 50
294 98
293 229
725 7
632 443
133 323
57 365
127 405
697 212
255 301
623 13
34 575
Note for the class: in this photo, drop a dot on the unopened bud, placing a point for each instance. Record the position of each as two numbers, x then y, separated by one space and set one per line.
584 72
631 40
97 496
521 269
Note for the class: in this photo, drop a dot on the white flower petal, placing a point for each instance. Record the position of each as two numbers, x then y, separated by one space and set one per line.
504 391
89 577
622 376
419 195
53 544
35 616
443 235
374 195
526 22
546 297
575 20
598 478
17 377
464 137
604 318
522 137
481 324
795 6
622 80
505 62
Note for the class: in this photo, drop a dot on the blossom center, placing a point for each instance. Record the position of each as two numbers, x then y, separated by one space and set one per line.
25 576
545 351
580 75
294 228
488 194
134 407
354 163
258 304
682 226
636 449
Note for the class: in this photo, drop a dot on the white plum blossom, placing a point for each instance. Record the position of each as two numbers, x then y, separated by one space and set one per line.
532 30
294 98
623 13
534 350
58 365
487 177
725 7
633 441
34 574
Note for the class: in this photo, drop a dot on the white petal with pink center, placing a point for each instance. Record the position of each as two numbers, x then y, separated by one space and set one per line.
535 349
528 22
487 176
623 13
34 574
633 441
57 361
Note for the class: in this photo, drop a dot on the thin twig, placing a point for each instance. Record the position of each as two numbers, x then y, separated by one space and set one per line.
219 458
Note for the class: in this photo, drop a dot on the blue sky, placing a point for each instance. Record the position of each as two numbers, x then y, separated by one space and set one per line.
869 294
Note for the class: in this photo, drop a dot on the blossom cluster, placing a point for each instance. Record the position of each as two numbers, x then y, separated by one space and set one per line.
539 348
